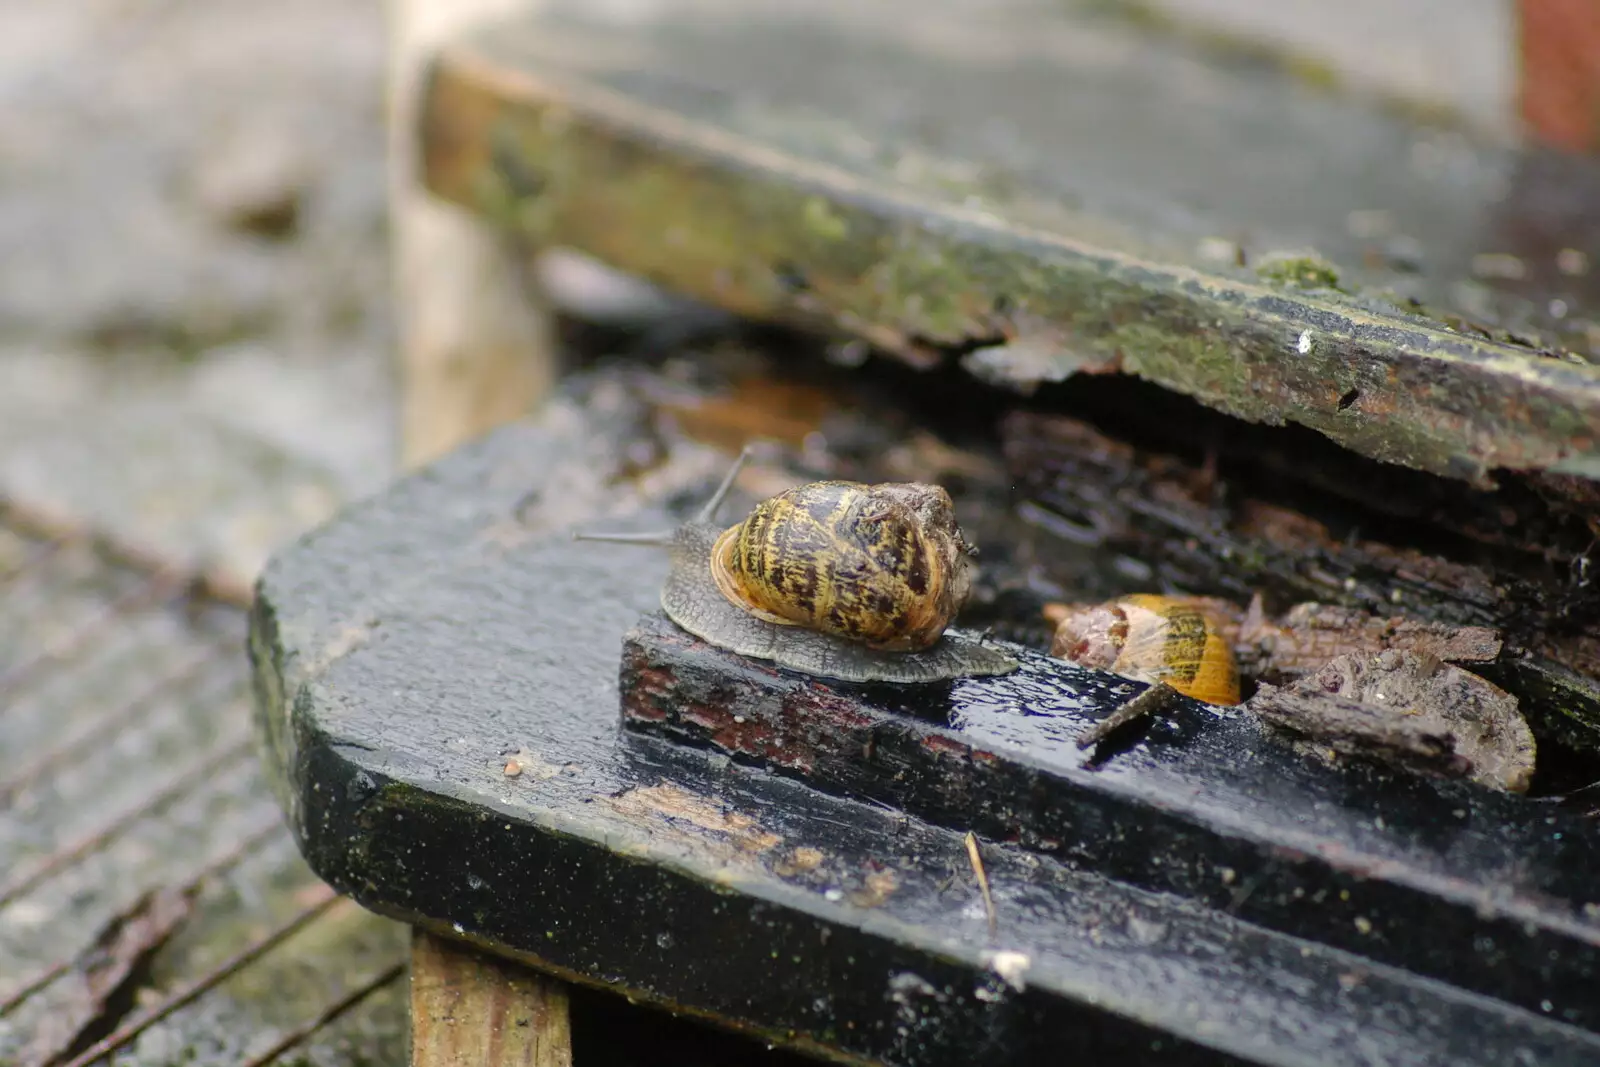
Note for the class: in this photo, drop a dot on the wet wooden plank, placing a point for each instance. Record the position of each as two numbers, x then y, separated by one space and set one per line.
1094 202
411 648
1252 820
141 846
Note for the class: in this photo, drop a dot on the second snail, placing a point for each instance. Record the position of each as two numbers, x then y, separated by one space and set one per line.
835 579
1181 641
1202 646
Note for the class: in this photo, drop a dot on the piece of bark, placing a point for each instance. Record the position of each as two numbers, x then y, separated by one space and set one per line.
1309 635
1409 709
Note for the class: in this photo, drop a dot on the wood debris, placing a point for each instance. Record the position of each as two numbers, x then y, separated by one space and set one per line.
1410 709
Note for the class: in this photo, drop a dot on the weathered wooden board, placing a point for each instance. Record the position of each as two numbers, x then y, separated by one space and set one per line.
437 678
1053 195
140 851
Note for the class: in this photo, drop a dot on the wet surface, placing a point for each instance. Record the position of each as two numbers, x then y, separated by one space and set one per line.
193 335
1211 785
140 848
406 651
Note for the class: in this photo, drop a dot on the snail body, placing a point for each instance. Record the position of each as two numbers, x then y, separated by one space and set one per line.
1181 641
836 579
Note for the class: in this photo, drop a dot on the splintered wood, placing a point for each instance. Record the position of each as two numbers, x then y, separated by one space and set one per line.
1409 709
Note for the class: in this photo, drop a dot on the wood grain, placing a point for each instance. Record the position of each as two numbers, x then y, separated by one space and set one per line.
469 1008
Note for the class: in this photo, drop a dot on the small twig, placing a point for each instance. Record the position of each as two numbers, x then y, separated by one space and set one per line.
1146 703
983 880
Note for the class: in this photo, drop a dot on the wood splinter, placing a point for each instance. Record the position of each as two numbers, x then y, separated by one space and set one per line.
1146 703
983 881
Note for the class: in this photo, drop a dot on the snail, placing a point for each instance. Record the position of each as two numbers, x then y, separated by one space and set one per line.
1182 641
836 579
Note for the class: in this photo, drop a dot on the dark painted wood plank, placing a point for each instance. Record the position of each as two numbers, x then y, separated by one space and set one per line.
406 651
1209 805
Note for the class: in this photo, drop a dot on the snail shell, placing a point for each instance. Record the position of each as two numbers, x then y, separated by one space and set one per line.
885 565
1177 640
835 579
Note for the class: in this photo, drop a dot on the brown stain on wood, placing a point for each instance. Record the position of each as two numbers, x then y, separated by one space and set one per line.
471 1008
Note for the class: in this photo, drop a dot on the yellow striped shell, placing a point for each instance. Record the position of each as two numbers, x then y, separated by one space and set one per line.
885 564
1177 640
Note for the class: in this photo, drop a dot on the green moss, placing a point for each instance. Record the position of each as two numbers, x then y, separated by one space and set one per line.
822 221
737 234
1193 361
1304 270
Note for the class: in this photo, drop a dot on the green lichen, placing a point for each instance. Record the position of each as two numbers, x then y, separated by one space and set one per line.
1193 362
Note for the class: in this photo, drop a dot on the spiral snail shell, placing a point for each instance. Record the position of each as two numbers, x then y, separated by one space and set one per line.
836 579
1181 641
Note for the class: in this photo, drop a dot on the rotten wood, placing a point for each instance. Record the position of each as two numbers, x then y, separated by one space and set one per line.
467 1007
141 1020
136 850
1409 708
1207 528
105 977
1308 635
